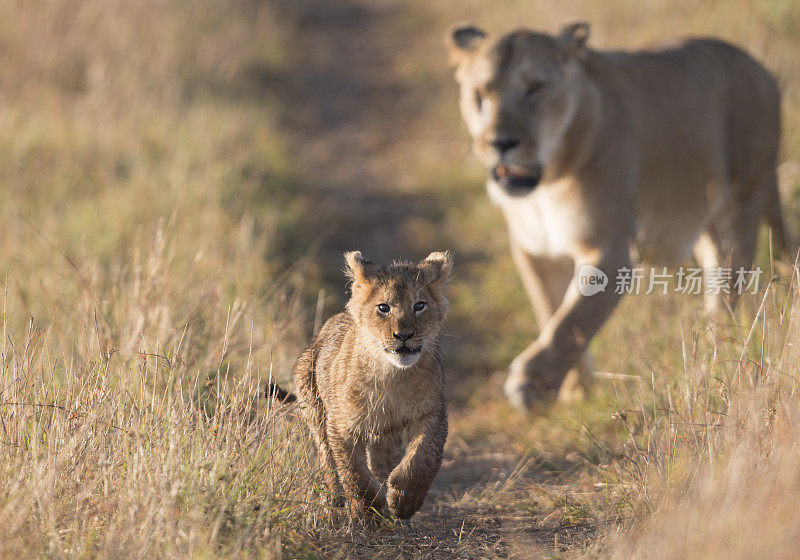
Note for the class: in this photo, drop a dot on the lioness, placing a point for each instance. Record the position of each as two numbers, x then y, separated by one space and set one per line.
597 157
373 376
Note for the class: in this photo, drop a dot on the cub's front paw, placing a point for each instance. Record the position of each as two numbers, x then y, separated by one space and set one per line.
362 507
404 503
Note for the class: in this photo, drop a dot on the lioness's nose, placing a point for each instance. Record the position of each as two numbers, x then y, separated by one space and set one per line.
503 145
402 337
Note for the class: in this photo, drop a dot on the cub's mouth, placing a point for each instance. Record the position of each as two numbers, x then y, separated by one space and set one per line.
404 350
515 178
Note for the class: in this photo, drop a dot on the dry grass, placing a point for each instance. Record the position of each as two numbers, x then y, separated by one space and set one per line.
135 428
146 295
159 236
714 453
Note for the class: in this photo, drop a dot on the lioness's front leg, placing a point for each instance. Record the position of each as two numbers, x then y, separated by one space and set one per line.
541 368
546 280
411 479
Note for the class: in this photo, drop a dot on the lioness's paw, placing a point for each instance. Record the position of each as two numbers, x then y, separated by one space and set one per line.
519 395
534 379
519 390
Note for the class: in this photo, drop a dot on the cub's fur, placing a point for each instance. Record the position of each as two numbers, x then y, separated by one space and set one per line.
372 378
669 152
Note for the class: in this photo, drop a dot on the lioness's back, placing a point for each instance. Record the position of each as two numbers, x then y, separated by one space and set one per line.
701 94
704 118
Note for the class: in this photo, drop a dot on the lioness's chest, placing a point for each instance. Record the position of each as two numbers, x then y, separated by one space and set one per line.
547 222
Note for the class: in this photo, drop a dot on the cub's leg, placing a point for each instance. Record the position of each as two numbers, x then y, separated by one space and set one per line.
546 281
362 490
385 453
314 413
410 481
542 366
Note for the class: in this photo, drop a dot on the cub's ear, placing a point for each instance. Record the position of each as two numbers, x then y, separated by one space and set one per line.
462 39
355 266
573 37
438 266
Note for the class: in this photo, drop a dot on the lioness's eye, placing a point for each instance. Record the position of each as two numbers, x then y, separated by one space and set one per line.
478 99
383 308
419 306
533 88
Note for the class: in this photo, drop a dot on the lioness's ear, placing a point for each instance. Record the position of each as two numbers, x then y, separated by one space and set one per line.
462 39
573 37
355 265
438 266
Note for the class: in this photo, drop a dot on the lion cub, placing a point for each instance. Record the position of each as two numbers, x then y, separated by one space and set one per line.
372 377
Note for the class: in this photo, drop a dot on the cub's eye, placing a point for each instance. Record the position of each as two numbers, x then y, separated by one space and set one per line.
533 88
383 308
419 306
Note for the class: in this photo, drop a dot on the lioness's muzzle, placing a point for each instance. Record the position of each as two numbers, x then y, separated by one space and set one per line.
516 178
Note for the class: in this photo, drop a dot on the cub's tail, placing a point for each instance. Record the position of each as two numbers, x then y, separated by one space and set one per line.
273 391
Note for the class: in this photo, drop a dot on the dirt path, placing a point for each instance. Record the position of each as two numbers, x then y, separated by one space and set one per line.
348 113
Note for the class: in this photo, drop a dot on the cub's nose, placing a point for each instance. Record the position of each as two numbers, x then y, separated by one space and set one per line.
504 144
403 337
